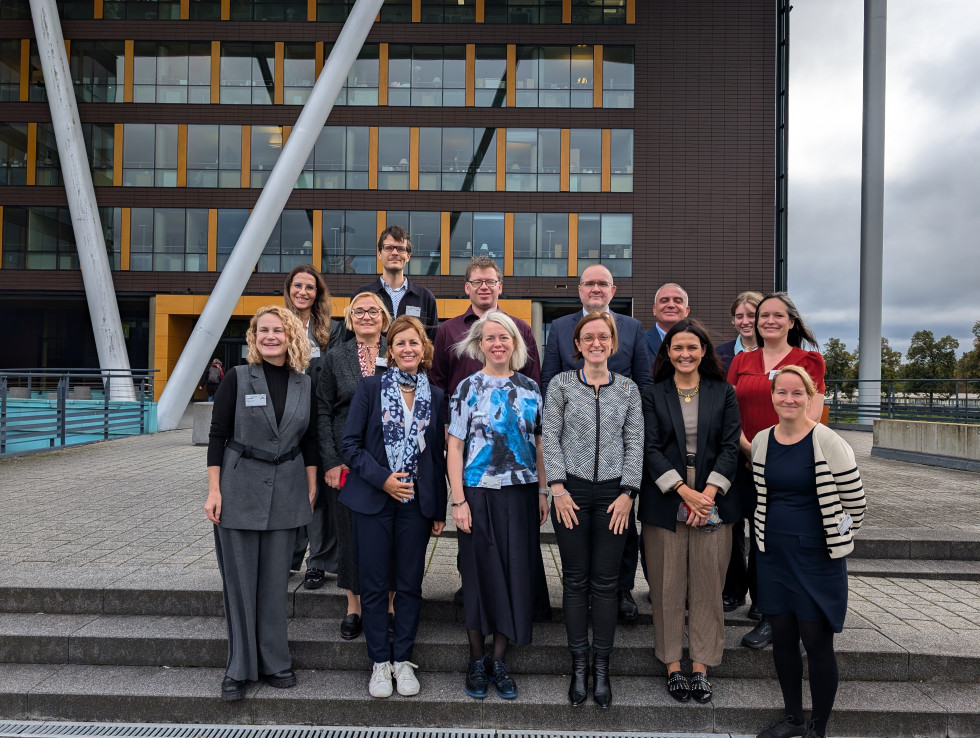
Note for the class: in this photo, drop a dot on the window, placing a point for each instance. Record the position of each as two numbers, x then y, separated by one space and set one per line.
458 159
336 11
599 11
541 244
533 159
396 11
490 70
35 77
172 72
97 70
15 10
48 164
393 153
475 234
427 75
13 153
231 223
522 11
606 239
266 146
98 139
324 168
168 240
43 238
290 244
448 11
425 233
358 143
205 10
585 160
362 80
350 241
554 76
214 156
150 155
617 77
621 160
76 9
248 73
299 73
141 9
9 70
268 10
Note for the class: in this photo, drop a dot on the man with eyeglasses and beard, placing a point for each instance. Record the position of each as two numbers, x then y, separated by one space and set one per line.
596 290
400 296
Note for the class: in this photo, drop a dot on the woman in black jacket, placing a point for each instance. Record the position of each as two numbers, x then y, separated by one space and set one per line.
691 428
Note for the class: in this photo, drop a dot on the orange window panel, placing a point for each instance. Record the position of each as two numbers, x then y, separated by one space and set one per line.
416 13
606 160
508 244
511 75
631 11
277 91
566 166
566 11
185 9
373 159
311 10
318 239
182 155
246 155
597 76
470 100
573 244
225 10
97 10
25 69
445 235
31 153
215 72
318 61
124 226
212 239
382 74
480 11
501 159
413 158
117 155
128 71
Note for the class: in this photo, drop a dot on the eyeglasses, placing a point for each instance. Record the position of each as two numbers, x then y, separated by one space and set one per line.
601 338
361 312
601 284
475 283
388 248
300 287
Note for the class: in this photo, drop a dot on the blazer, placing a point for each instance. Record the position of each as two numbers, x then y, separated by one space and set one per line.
839 488
417 301
338 380
665 445
653 342
363 449
631 358
257 495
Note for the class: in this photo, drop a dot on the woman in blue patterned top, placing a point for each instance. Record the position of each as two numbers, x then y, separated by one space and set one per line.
494 463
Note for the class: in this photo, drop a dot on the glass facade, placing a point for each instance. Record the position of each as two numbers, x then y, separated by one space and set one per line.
99 146
172 72
248 73
168 239
13 153
214 156
9 70
97 70
150 155
42 238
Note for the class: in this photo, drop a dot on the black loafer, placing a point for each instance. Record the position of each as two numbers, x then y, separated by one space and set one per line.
700 687
281 679
678 687
350 627
730 604
627 606
314 579
754 613
785 728
232 690
759 637
477 683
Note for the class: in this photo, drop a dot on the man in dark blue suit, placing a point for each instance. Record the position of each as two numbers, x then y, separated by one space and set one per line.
596 290
670 305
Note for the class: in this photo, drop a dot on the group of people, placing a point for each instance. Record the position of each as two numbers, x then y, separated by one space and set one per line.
358 450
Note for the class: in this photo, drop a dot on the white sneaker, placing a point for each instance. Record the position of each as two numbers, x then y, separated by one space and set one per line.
405 678
380 684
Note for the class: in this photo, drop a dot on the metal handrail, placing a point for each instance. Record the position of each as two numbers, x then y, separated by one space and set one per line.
938 400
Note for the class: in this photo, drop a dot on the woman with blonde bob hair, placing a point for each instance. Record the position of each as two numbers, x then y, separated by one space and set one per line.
262 477
470 346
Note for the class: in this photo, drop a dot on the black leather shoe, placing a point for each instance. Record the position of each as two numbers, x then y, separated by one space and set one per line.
350 626
811 731
503 682
730 604
627 606
281 679
477 684
759 637
785 728
754 613
314 579
602 691
678 686
578 689
232 690
700 687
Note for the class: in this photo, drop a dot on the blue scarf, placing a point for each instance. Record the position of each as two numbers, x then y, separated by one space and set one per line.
401 443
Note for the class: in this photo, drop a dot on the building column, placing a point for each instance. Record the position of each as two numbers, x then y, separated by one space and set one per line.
89 239
234 277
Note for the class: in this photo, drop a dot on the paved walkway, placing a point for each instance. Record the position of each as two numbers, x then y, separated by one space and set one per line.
138 503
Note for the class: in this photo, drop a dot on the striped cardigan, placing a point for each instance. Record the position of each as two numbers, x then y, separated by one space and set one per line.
839 488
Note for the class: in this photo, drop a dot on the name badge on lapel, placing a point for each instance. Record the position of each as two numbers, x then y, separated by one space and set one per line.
255 400
415 312
314 352
381 361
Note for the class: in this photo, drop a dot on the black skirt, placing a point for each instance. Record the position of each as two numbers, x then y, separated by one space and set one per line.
498 558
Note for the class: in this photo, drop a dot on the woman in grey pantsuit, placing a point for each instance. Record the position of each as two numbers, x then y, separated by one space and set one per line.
262 461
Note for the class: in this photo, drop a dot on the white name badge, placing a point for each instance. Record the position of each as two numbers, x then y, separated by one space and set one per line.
255 400
772 374
490 482
314 352
845 524
381 361
415 312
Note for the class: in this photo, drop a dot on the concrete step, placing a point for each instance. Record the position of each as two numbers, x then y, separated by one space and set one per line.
863 653
915 569
939 544
745 706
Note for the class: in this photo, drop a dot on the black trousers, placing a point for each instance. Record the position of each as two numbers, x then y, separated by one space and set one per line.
740 577
590 561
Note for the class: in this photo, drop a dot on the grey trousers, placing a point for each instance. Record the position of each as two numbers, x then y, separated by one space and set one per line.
254 567
687 565
322 531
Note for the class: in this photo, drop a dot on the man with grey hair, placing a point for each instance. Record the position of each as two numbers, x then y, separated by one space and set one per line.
670 306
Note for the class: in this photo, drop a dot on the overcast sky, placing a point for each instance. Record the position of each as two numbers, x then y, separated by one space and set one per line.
932 168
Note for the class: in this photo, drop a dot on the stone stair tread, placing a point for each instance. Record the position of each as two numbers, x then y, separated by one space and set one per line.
915 568
159 694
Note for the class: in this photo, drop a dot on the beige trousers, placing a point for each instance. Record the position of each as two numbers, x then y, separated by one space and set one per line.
689 566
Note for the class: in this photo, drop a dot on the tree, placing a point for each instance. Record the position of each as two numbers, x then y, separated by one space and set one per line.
891 362
840 364
968 366
928 358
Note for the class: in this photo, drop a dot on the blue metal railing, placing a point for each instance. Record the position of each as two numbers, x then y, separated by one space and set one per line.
42 409
937 400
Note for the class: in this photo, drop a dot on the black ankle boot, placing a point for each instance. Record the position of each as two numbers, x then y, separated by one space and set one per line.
578 690
602 693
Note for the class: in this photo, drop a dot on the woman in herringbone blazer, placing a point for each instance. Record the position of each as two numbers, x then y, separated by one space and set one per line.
691 426
343 368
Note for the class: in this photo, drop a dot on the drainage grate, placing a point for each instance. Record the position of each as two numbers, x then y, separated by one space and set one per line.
27 729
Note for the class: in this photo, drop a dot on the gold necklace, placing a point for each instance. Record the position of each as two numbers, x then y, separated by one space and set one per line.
687 396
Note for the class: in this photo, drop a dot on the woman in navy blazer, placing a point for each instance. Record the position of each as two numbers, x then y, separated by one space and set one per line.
394 444
691 426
